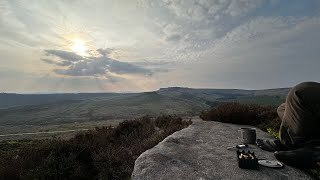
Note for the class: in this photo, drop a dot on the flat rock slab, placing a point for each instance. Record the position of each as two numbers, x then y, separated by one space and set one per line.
199 152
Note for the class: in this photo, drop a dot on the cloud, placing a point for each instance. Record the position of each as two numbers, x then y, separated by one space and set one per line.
173 32
173 37
207 10
95 66
62 63
119 67
49 61
66 55
183 42
191 27
239 8
85 68
274 35
104 52
264 52
26 25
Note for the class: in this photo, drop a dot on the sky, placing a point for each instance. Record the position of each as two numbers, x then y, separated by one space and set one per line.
143 45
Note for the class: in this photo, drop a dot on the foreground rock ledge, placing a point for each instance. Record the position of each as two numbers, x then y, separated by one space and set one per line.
199 152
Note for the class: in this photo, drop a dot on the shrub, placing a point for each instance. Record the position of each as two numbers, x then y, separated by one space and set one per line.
263 117
103 153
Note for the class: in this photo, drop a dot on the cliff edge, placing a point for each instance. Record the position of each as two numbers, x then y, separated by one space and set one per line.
199 152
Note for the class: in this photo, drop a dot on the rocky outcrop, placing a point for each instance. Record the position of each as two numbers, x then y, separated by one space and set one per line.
199 152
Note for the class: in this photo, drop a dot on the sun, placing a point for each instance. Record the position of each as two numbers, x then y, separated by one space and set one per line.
78 46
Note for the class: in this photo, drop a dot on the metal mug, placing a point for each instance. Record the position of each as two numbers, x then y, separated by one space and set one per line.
248 135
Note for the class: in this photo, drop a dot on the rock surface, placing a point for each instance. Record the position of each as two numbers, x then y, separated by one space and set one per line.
199 152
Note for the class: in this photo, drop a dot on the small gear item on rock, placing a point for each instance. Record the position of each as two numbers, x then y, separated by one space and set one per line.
273 164
247 160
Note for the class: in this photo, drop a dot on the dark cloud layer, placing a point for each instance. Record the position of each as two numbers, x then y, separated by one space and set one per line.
66 55
75 65
62 63
104 52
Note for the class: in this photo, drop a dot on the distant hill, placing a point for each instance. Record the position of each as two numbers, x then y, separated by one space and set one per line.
228 92
12 99
46 109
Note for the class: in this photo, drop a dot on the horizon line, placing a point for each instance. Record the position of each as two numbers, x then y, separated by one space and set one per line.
128 92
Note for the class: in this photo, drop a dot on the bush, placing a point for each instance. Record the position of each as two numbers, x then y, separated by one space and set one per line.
103 153
263 117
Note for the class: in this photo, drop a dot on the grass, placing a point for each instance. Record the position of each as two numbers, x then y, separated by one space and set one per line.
103 153
273 133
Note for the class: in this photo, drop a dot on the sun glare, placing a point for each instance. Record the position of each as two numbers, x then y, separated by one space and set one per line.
78 46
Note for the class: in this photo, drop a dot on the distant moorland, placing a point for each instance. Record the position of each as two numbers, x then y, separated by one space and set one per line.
29 112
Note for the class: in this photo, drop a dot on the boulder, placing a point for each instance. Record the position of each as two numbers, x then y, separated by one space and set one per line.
199 152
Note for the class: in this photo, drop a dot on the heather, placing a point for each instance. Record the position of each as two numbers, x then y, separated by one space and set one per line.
103 153
264 117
